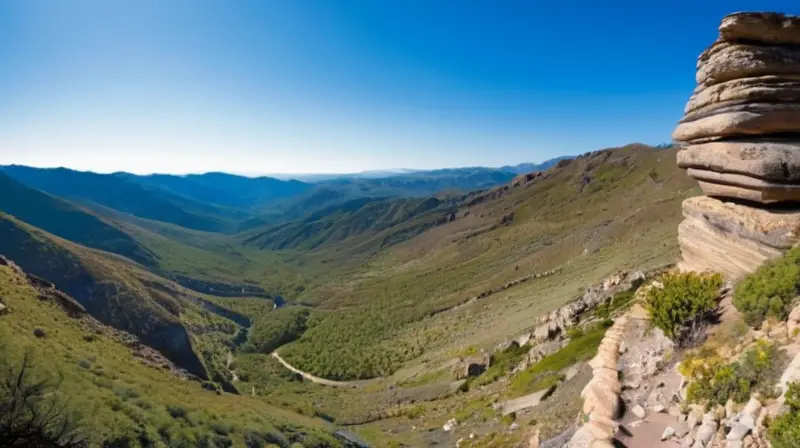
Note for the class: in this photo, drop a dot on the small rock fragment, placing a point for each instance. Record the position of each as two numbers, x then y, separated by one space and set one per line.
638 411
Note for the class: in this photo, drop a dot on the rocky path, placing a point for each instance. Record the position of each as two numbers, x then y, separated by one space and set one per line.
316 379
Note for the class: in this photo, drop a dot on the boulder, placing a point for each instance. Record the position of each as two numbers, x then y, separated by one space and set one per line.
731 238
472 366
763 27
706 432
3 309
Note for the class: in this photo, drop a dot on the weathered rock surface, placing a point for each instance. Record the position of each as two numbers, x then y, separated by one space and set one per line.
776 161
741 127
744 187
741 121
472 366
763 27
707 100
790 375
733 239
793 323
724 61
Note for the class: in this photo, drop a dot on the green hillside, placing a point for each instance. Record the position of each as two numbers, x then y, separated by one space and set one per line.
121 399
358 218
586 218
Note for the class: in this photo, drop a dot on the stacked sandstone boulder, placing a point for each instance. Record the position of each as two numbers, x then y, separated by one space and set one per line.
740 138
601 400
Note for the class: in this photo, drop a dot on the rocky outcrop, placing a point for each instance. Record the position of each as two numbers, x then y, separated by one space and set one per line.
762 27
472 366
733 239
740 138
741 127
553 326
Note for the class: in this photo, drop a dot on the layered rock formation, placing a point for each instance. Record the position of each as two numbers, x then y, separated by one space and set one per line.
740 138
601 401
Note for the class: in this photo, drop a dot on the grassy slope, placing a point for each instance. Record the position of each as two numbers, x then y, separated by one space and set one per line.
590 218
164 315
353 220
121 398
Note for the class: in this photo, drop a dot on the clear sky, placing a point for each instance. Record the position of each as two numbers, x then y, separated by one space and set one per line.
299 86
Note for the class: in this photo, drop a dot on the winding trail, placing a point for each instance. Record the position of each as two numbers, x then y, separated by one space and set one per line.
315 379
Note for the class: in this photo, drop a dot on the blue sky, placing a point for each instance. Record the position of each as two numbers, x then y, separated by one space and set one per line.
299 86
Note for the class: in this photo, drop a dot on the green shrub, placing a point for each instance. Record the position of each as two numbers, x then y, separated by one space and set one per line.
784 431
177 411
683 303
715 382
770 290
275 328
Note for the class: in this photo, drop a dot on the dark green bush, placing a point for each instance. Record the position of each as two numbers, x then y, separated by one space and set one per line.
784 432
683 303
770 290
177 411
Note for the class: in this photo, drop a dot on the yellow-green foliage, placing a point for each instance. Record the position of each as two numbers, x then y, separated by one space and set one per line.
770 290
685 300
715 381
784 432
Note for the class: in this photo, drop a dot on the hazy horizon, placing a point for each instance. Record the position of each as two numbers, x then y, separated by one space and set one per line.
289 175
303 87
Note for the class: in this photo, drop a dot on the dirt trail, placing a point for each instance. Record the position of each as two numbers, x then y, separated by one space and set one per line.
316 379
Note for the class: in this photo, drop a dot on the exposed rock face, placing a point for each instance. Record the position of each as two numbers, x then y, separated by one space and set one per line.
554 325
733 239
762 27
741 127
740 138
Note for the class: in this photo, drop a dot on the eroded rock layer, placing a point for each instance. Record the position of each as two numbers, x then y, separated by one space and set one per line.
740 131
731 238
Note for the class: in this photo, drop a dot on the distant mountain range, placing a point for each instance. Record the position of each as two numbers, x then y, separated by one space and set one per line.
377 174
220 202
